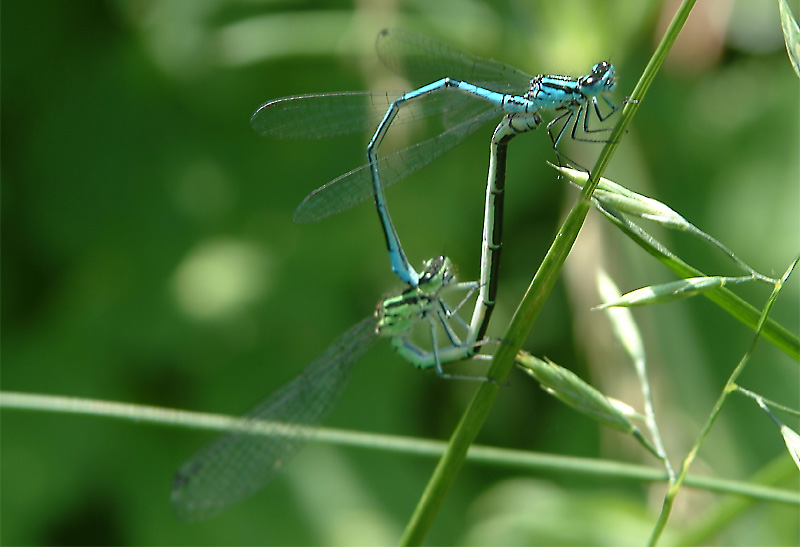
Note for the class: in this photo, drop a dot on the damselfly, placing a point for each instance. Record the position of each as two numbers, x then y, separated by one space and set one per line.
238 464
498 88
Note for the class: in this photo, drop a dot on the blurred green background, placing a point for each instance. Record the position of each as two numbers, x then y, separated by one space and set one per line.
149 257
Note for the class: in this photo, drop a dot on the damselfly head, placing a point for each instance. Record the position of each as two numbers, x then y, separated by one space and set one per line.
437 272
601 78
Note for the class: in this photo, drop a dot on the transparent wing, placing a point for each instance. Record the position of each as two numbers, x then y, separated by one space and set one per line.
238 464
355 186
424 60
325 115
332 114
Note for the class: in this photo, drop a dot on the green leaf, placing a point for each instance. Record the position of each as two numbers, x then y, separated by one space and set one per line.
792 440
622 322
572 390
675 290
620 198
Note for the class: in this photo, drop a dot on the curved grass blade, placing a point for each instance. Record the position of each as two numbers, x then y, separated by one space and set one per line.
791 35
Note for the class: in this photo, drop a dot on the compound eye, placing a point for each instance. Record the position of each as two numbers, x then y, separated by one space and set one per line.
600 69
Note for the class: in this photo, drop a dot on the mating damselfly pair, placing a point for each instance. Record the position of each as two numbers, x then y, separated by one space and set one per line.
466 91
